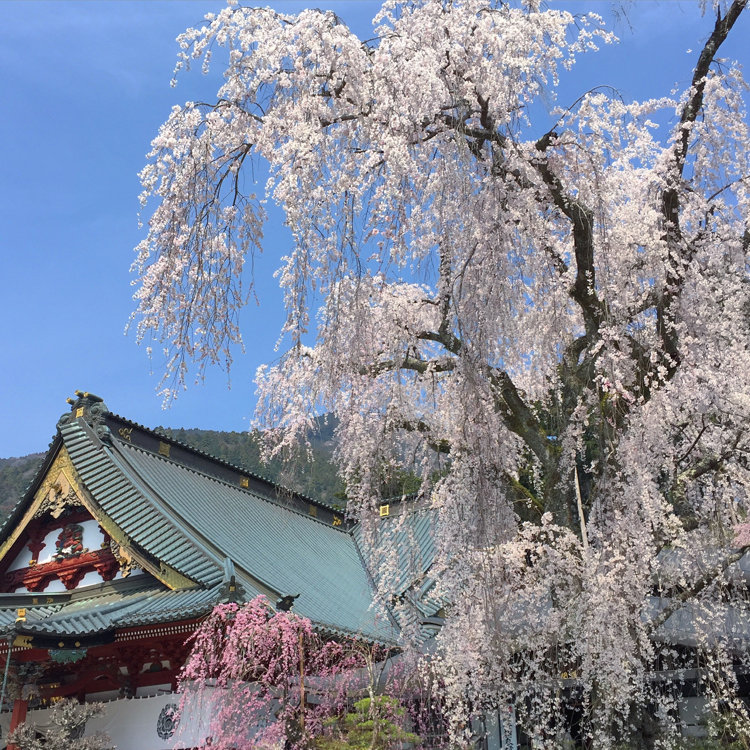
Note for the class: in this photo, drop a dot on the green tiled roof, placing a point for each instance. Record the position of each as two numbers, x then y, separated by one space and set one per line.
122 496
405 551
289 552
191 514
121 604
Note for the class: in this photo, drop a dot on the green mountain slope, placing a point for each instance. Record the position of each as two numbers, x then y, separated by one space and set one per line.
314 476
15 476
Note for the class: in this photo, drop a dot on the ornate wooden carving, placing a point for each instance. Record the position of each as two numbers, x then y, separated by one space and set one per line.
124 558
69 570
36 541
58 491
70 542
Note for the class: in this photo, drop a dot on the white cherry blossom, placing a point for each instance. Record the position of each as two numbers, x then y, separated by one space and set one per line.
503 307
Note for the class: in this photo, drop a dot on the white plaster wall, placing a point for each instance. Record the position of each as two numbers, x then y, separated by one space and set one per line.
21 561
148 691
55 586
49 548
131 723
92 539
90 579
92 535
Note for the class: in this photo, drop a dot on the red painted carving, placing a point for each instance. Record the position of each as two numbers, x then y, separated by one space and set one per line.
69 516
36 540
71 578
70 542
35 534
107 566
70 570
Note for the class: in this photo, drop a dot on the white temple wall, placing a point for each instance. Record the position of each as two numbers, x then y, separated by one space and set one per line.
138 723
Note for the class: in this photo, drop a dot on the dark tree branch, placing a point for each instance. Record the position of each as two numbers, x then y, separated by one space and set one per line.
582 219
446 338
680 256
439 446
410 362
519 417
705 466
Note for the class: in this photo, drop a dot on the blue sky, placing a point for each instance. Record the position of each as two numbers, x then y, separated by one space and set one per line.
84 87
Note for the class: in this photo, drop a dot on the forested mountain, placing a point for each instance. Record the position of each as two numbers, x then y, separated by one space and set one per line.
315 477
15 476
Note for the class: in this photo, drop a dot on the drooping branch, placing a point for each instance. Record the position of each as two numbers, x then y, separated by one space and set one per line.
581 217
519 417
709 577
410 362
418 425
706 465
692 107
679 256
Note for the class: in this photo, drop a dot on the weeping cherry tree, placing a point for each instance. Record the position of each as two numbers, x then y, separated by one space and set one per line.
547 319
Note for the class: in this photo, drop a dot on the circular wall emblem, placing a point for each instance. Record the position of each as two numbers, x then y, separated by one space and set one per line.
167 721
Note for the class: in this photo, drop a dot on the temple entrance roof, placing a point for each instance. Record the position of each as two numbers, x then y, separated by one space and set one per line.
176 520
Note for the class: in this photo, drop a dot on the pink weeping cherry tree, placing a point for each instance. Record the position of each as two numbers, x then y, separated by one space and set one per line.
547 318
269 680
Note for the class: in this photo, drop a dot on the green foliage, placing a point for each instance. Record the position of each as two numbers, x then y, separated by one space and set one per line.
374 725
726 731
312 475
15 476
400 482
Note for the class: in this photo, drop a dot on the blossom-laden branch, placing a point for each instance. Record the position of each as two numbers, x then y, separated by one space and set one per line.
682 250
66 724
271 680
547 321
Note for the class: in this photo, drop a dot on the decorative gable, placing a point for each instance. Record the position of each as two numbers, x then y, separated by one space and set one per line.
59 545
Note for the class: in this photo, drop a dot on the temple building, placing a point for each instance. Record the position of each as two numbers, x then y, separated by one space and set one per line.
124 541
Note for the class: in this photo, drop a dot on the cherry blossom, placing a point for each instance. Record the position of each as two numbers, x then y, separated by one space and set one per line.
268 679
548 322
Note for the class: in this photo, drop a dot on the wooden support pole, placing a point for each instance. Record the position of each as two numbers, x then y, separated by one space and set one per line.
17 718
581 517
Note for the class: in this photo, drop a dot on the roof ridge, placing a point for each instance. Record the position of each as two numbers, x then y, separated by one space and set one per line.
248 490
159 432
